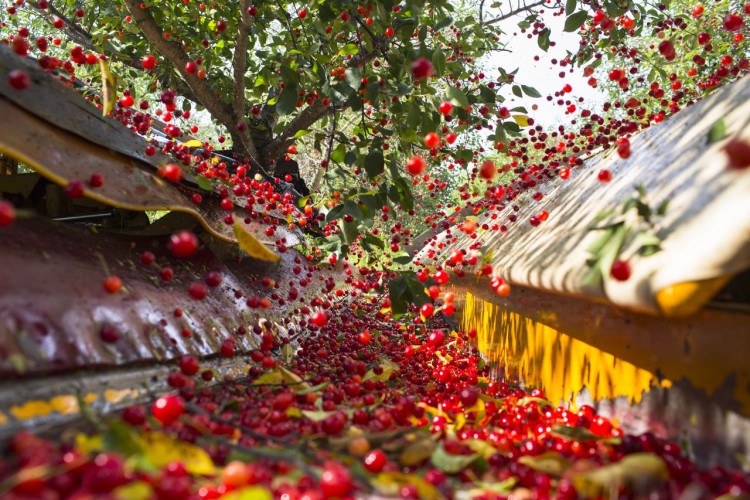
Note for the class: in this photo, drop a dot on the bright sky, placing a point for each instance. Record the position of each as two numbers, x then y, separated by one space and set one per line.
542 74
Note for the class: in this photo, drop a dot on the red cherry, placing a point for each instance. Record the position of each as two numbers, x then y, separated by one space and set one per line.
147 258
18 79
183 243
416 165
167 409
109 333
487 170
191 67
197 290
227 348
189 365
96 180
733 22
375 461
389 32
445 108
738 151
365 337
319 319
170 172
436 338
148 62
335 481
620 270
604 175
450 138
441 277
7 213
432 140
426 310
112 284
302 13
422 68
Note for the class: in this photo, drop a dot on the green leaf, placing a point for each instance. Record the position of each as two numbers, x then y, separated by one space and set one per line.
403 260
438 61
516 91
315 388
575 20
203 183
662 208
451 464
457 97
348 50
579 434
374 163
530 91
717 131
287 100
549 462
444 22
543 40
570 6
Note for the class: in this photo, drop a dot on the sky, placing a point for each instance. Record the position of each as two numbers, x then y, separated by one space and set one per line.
542 74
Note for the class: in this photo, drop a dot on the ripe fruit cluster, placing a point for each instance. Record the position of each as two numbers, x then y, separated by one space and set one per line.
349 407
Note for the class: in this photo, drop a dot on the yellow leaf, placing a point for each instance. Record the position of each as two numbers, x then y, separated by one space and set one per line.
389 484
137 490
249 493
252 246
88 444
388 367
460 421
521 120
272 377
193 143
109 90
289 377
161 449
293 412
417 452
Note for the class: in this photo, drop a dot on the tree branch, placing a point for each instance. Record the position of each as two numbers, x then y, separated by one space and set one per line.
174 53
303 120
515 12
239 61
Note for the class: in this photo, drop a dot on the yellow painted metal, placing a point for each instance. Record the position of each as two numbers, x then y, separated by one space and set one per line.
564 345
685 299
544 357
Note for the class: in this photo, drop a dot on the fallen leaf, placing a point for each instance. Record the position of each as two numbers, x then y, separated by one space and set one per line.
549 462
252 246
452 464
417 452
639 472
390 483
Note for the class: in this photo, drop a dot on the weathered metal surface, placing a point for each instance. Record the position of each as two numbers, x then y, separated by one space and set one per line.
65 108
129 184
680 378
705 232
53 304
48 404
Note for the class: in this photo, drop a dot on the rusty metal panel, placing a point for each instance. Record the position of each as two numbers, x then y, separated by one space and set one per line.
53 304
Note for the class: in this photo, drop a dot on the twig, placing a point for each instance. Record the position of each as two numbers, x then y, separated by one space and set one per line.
514 12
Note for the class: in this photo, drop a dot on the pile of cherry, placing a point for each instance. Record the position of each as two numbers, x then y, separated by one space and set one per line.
361 407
